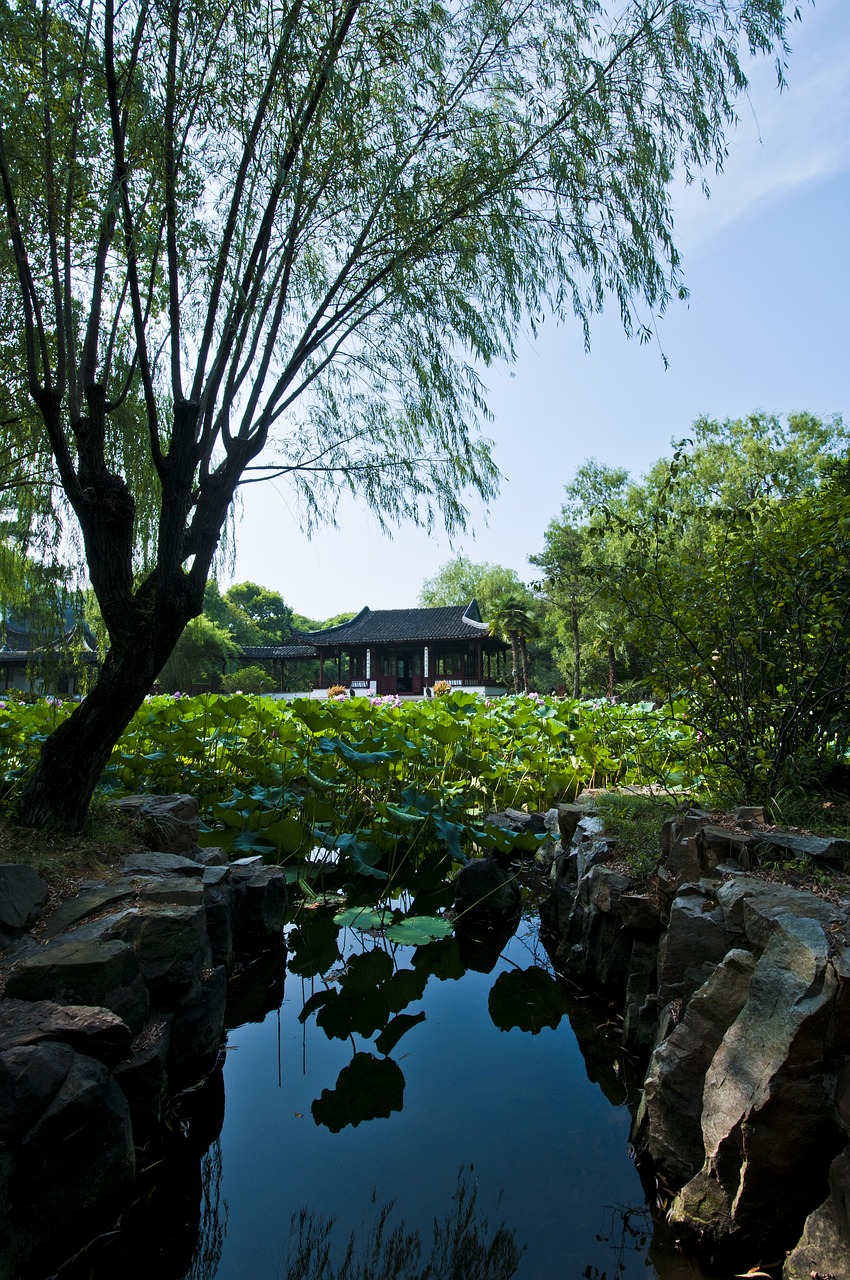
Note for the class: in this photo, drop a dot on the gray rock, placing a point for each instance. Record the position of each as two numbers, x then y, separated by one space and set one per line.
484 891
168 823
259 906
172 945
668 1125
197 1029
77 1159
777 845
569 816
161 863
767 1122
720 845
94 1031
22 895
211 857
144 1081
824 1249
592 853
98 971
694 943
640 912
526 822
88 902
30 1077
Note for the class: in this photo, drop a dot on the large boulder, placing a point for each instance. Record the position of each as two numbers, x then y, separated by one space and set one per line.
167 823
694 943
824 1248
259 906
669 1126
484 891
94 1031
87 971
23 893
767 1120
76 1160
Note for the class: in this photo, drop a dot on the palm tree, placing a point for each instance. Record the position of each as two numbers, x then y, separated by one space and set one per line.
510 620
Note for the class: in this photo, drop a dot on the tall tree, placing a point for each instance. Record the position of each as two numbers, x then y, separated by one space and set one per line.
296 228
460 580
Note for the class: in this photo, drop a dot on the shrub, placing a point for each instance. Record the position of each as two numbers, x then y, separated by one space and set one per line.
248 680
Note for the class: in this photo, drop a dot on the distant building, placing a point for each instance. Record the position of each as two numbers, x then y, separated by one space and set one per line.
400 651
45 658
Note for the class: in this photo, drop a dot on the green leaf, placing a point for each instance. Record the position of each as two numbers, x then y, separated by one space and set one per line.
417 930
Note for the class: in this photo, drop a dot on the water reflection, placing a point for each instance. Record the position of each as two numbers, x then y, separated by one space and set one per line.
464 1245
384 1070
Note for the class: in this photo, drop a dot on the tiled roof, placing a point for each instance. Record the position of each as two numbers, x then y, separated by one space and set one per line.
278 651
404 626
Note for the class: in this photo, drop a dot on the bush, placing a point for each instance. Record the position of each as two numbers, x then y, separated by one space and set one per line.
248 680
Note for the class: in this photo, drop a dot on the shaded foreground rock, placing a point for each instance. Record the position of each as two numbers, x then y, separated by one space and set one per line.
746 1098
122 1005
484 892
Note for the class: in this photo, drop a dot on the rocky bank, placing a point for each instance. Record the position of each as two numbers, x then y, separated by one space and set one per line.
115 1005
738 989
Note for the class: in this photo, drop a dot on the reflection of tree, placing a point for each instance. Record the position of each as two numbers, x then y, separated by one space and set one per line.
213 1226
464 1246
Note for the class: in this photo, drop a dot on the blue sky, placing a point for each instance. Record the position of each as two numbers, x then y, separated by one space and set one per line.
767 261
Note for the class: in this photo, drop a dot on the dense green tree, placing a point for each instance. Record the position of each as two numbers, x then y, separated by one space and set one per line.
266 609
511 619
575 565
460 580
198 658
728 569
278 220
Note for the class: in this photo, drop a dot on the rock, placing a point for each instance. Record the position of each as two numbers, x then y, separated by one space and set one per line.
212 857
592 853
719 845
197 1029
161 863
167 823
87 903
22 895
99 972
77 1160
640 912
569 816
694 943
259 906
773 846
824 1249
668 1125
172 945
767 1122
30 1077
93 1031
144 1081
526 822
748 813
484 891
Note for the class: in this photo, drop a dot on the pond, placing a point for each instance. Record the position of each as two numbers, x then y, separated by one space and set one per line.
381 1118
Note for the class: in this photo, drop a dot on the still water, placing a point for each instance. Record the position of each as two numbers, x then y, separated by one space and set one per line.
528 1126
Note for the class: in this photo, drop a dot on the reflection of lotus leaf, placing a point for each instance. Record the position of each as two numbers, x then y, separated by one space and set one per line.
442 958
417 930
395 1029
313 946
343 1014
365 972
529 999
366 1089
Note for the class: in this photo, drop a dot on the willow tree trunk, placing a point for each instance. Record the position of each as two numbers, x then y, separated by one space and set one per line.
76 753
576 649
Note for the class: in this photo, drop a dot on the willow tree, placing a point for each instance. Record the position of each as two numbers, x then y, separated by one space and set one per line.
298 229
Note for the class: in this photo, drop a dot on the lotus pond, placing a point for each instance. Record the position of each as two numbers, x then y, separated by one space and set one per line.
399 1097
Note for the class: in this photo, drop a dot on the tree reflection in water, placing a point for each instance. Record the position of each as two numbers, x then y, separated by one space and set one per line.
464 1247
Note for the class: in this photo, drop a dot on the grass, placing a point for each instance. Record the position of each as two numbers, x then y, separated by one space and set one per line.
64 860
635 822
